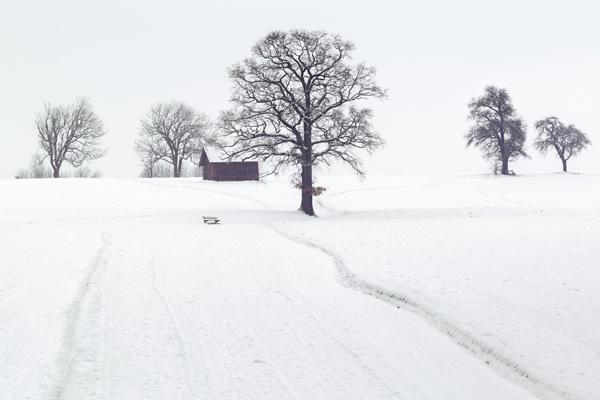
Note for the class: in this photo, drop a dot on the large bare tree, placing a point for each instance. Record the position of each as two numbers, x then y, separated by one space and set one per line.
567 140
295 104
172 132
69 134
498 131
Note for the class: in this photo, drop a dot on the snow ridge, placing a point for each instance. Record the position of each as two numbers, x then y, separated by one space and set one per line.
80 345
499 362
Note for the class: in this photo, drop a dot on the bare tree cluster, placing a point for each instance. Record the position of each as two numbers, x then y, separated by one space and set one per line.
171 133
297 100
37 169
295 104
566 140
69 134
501 134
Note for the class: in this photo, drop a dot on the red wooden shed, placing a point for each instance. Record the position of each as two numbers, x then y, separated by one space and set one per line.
228 170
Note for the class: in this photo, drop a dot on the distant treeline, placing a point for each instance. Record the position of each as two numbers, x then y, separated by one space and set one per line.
296 102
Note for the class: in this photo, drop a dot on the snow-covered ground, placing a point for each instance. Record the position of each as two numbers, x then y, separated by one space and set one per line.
509 266
405 287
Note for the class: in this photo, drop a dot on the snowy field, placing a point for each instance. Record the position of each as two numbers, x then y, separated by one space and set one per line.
405 287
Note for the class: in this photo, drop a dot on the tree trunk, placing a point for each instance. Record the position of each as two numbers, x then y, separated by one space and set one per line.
55 172
176 168
307 179
564 163
504 166
307 190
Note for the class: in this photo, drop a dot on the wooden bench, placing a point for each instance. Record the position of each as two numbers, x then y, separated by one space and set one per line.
210 220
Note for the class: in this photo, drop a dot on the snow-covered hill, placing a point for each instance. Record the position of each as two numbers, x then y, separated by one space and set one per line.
405 287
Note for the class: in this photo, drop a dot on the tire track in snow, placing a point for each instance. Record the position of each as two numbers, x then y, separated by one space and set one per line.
324 330
74 351
182 349
265 354
502 363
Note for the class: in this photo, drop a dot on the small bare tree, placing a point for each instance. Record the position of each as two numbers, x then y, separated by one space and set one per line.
155 169
162 170
69 133
36 169
567 140
172 132
294 104
498 131
86 172
149 158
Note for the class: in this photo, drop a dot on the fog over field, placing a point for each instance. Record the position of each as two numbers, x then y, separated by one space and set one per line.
433 56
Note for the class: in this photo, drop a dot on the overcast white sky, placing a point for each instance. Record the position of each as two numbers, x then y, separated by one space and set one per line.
433 56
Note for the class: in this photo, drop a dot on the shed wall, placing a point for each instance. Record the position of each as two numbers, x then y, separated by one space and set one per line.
231 171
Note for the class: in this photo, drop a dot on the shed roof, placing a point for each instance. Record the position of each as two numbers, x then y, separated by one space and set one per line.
213 154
